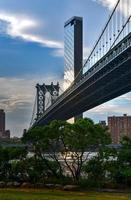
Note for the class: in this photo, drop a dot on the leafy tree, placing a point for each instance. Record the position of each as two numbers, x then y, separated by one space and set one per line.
117 162
95 171
123 174
66 144
43 144
83 138
7 155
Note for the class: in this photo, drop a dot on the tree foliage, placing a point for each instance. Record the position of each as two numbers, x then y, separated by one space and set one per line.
62 151
69 145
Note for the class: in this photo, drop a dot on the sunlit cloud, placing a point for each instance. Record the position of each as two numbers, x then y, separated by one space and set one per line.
123 5
107 3
21 26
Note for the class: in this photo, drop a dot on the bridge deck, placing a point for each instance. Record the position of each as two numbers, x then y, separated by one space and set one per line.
110 77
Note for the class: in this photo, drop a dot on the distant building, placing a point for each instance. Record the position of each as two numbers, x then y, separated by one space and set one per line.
119 126
102 123
5 134
2 122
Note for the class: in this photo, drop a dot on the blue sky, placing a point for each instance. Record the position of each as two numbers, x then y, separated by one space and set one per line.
31 41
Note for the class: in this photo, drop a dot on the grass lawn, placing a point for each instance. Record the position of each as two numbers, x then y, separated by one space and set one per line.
23 194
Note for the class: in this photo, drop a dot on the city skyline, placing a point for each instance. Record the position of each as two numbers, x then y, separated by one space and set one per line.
32 49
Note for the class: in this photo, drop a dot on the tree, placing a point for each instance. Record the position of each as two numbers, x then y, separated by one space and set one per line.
117 162
83 138
43 144
7 155
69 145
123 174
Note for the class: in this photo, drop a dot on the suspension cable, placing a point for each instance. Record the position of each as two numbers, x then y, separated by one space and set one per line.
106 26
121 30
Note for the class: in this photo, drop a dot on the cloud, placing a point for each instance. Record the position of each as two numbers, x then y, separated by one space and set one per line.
58 52
14 92
117 106
103 111
21 26
123 5
107 3
17 99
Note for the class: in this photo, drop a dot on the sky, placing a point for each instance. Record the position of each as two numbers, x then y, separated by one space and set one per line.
31 52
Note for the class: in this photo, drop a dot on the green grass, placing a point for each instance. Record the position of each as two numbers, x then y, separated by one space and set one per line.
12 194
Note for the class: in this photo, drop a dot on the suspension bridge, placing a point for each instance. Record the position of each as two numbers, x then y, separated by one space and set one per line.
106 74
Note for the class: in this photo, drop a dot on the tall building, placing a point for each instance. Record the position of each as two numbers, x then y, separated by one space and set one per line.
2 122
73 52
119 126
5 134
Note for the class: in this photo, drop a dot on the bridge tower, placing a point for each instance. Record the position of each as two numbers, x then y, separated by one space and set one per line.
42 90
